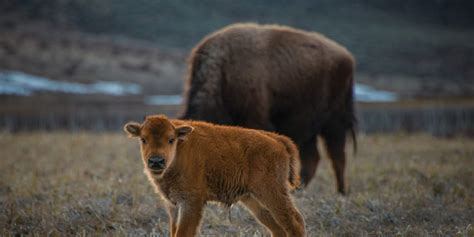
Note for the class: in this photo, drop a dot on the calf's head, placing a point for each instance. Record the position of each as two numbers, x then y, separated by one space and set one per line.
158 141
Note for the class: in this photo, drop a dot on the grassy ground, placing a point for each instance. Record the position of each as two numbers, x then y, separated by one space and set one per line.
90 183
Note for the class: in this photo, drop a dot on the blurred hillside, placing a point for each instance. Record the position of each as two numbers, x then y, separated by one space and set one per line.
422 50
395 42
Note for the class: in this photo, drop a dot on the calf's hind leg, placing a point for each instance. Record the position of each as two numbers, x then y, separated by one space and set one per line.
264 216
277 201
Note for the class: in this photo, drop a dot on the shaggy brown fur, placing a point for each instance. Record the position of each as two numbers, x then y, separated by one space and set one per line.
205 162
276 78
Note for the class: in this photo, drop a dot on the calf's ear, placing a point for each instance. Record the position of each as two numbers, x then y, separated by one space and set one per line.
132 128
183 131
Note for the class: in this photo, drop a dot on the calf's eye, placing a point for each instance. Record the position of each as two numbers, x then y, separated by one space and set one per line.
143 140
171 141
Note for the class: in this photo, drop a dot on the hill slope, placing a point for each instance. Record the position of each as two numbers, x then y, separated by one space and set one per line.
431 40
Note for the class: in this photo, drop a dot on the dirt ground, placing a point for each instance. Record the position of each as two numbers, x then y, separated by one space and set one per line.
93 183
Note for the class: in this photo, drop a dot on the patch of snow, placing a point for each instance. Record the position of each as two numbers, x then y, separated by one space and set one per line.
365 93
18 83
8 89
116 88
164 100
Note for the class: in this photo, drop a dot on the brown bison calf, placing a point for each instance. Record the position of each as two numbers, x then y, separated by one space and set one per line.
190 163
276 78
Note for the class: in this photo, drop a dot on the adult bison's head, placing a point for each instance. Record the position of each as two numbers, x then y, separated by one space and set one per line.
158 138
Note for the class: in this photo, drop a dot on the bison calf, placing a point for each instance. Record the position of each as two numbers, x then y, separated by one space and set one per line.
190 163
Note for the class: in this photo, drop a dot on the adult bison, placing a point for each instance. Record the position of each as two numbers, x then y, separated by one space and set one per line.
276 78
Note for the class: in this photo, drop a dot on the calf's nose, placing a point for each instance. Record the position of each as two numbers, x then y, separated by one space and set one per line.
156 162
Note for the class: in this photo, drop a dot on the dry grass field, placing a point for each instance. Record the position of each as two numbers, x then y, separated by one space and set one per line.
91 183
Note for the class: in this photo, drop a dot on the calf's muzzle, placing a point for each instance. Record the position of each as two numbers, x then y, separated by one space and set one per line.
156 163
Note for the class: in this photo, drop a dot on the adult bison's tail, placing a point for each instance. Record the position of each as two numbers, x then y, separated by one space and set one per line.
352 119
294 178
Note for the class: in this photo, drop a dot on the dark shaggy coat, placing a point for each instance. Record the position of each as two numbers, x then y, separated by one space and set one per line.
276 78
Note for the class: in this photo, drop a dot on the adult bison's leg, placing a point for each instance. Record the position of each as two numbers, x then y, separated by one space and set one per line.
335 141
309 159
264 216
278 202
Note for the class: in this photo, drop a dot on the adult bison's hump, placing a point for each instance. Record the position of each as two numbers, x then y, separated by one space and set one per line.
277 61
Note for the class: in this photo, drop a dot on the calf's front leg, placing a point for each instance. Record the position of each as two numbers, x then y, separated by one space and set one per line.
189 218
